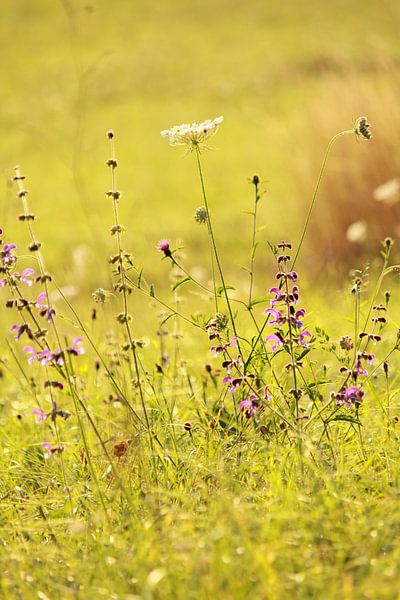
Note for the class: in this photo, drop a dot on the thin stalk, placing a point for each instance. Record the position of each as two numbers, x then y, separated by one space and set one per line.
121 272
316 190
214 245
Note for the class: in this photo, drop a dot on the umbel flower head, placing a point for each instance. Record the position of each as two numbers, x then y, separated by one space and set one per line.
193 136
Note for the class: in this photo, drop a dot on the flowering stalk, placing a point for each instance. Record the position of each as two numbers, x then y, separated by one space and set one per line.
123 286
194 136
257 197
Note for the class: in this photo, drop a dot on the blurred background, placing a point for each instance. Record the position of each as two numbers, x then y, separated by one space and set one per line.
286 76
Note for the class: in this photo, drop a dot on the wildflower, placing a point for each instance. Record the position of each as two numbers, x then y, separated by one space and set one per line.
163 246
301 340
222 347
20 330
193 136
44 309
7 255
201 215
346 343
249 406
45 356
278 318
26 276
277 340
101 296
350 396
362 128
49 450
41 415
76 348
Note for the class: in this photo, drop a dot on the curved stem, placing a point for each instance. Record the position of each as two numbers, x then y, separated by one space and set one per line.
316 190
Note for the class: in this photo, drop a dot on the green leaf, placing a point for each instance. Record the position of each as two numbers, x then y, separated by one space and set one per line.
259 300
221 289
139 278
152 290
180 282
167 318
253 250
347 418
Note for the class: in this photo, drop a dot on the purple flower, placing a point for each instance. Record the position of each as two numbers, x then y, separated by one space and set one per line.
278 320
41 415
47 449
278 341
26 276
163 246
249 406
45 356
76 347
44 309
235 383
302 336
19 329
6 254
350 396
32 351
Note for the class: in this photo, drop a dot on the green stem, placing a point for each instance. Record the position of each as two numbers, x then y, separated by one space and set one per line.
316 190
214 246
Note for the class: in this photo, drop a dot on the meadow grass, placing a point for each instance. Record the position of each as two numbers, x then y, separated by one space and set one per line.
215 416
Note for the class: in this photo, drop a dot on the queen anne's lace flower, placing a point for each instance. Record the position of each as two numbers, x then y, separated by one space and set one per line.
194 135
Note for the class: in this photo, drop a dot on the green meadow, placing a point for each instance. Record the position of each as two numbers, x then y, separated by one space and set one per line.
201 407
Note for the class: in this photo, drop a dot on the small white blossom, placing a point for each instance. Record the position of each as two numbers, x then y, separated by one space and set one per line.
194 135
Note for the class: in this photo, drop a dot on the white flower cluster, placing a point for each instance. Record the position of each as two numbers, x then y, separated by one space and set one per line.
193 135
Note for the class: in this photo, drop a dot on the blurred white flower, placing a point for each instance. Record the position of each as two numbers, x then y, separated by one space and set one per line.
388 192
193 136
357 232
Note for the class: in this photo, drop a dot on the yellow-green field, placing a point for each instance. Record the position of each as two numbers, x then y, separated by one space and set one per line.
153 467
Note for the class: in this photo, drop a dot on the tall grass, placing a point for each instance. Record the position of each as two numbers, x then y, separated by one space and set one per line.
151 468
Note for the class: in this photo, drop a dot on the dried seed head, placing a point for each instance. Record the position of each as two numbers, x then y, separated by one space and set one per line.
346 343
201 215
362 128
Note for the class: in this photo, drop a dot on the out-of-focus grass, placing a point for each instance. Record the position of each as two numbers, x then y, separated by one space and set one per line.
73 70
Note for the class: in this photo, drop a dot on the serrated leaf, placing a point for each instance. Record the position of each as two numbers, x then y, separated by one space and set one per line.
180 282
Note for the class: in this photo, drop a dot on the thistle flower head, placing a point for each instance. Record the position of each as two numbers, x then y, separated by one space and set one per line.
163 246
193 135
